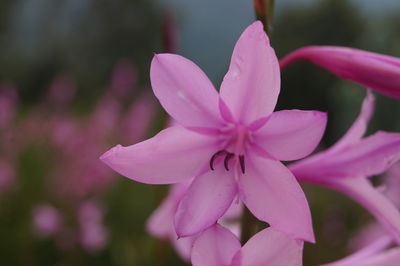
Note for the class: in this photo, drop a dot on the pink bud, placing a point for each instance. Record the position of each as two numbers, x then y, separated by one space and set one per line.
375 71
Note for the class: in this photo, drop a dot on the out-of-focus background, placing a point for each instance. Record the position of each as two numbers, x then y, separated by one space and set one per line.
74 82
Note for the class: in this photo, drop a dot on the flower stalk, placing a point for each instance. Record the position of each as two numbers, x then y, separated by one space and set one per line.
264 10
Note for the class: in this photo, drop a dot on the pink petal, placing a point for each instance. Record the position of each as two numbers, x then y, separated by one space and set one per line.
392 183
215 247
375 71
390 257
291 134
374 248
272 194
207 199
387 258
183 246
184 91
161 222
251 87
370 156
368 234
360 190
272 248
173 155
357 130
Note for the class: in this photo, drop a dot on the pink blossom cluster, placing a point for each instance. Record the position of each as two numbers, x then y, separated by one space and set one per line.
74 184
224 156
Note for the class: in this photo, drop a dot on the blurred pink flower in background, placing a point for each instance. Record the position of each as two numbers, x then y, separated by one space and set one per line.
75 179
93 234
7 175
46 220
136 122
374 71
123 80
8 103
61 93
8 111
234 133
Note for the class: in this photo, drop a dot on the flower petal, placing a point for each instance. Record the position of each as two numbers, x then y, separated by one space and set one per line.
361 190
173 155
375 71
370 156
184 91
272 194
183 246
365 253
251 87
389 257
357 130
207 199
161 222
215 247
291 134
272 248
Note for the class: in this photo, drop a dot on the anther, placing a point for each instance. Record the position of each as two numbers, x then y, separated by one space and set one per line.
241 162
228 157
218 153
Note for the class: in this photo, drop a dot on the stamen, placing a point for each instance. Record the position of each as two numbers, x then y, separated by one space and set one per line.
241 162
218 153
228 157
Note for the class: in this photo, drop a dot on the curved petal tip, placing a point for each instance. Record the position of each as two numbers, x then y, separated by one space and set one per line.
256 30
105 157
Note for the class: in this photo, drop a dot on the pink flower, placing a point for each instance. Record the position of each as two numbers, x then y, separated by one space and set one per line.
161 222
231 143
375 71
374 231
345 166
218 246
392 184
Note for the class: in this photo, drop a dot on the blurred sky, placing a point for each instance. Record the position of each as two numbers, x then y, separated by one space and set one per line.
222 24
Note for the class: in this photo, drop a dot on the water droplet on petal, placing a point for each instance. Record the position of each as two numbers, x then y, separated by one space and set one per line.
181 95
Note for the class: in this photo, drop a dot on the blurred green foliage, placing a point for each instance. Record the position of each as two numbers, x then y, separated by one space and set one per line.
40 39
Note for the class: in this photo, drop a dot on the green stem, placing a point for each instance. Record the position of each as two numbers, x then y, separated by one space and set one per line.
264 10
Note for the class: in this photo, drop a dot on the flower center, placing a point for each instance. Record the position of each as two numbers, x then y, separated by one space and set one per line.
235 140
